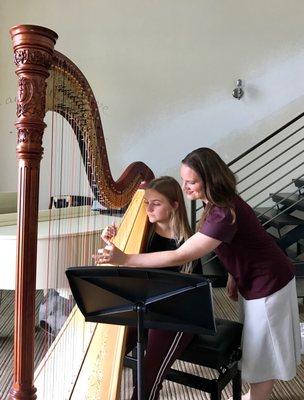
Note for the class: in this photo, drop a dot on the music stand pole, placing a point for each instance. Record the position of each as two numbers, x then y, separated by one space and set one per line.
140 309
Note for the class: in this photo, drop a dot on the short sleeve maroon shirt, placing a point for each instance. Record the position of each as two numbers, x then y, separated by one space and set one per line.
248 252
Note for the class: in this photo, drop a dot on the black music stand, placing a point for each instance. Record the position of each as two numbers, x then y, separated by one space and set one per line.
146 298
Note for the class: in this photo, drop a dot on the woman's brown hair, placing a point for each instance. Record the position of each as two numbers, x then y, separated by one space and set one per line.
219 182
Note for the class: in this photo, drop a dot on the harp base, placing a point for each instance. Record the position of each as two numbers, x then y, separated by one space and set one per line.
23 393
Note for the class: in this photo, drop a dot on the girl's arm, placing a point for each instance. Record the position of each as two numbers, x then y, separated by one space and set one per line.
195 247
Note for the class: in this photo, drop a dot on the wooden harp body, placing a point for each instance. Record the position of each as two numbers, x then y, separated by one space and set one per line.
98 373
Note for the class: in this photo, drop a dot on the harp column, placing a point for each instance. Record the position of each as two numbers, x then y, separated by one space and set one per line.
33 54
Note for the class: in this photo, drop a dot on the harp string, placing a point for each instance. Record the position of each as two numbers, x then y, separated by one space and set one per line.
66 165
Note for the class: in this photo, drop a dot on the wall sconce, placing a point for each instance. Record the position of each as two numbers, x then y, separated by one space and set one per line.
238 92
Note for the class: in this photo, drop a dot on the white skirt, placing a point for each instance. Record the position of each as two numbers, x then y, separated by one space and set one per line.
271 343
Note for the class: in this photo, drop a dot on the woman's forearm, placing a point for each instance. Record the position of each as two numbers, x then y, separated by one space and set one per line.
195 247
161 259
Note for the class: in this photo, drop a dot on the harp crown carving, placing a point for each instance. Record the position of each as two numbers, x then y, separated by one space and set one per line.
33 56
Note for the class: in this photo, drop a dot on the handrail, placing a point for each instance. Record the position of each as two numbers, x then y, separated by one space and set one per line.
277 203
252 170
277 180
282 211
265 139
265 152
279 190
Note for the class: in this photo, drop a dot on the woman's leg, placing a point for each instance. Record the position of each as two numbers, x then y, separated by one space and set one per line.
259 391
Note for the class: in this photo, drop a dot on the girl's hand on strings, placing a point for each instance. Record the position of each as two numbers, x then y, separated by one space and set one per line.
109 233
110 254
103 255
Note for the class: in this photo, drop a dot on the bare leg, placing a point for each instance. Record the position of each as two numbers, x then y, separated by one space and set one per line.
259 391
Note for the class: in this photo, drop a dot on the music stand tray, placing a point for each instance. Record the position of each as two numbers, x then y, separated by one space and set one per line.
146 298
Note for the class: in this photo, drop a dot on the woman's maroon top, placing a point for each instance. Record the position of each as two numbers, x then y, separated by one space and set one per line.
248 252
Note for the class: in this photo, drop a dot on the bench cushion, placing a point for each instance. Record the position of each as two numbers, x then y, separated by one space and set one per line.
215 351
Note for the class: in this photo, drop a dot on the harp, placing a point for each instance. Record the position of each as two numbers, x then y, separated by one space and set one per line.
37 62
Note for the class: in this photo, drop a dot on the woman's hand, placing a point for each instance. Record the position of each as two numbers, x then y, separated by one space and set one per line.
109 233
232 288
110 255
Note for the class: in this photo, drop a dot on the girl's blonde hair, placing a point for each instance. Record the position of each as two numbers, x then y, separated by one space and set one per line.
171 190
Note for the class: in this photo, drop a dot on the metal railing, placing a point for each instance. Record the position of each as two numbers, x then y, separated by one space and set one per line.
265 170
268 167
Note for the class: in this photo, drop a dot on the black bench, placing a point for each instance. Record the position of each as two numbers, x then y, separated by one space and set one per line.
220 352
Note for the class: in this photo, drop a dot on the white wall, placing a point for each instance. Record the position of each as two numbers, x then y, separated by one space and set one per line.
163 72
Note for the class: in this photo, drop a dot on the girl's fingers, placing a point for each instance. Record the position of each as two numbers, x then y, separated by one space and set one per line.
104 256
108 250
109 232
100 260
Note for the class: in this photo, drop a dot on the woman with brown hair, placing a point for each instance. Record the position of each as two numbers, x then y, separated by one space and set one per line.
258 269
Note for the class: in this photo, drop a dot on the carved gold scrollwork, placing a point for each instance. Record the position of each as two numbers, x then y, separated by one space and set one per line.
28 104
32 56
26 135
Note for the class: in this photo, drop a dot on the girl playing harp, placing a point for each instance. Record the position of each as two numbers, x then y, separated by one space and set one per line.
166 212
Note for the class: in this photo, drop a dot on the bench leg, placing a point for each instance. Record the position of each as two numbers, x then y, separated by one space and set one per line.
134 371
215 394
237 386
